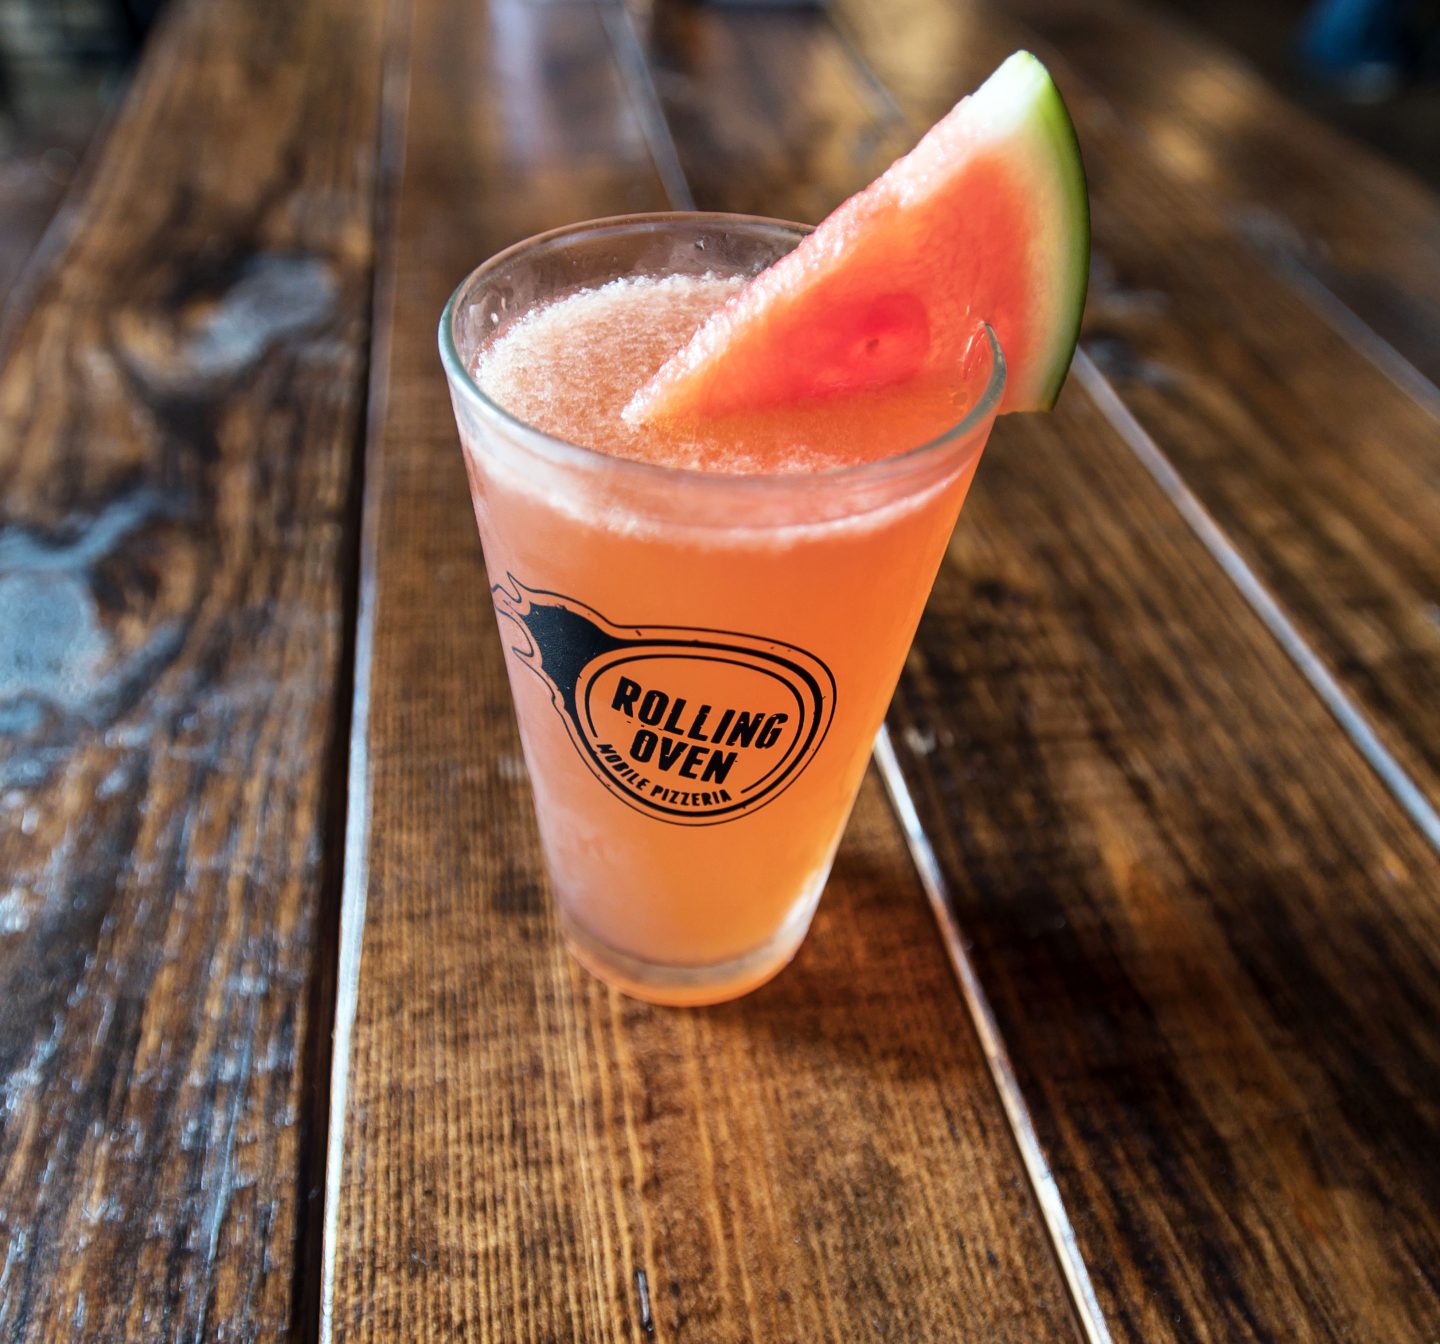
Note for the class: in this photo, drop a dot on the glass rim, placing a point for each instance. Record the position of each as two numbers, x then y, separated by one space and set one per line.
564 453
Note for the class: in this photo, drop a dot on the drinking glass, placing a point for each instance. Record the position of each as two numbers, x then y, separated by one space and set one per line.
699 661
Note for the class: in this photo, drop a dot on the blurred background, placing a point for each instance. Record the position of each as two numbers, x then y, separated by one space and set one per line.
1369 67
63 65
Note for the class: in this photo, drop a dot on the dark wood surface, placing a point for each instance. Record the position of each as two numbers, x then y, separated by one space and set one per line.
1183 1086
179 412
1210 936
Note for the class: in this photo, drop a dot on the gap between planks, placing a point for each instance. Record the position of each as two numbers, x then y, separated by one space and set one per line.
394 115
635 73
1351 327
1259 598
1065 1246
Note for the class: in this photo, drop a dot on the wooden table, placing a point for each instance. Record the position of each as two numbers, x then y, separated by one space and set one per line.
1121 1016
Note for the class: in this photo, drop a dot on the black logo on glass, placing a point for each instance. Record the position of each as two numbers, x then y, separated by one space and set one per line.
692 726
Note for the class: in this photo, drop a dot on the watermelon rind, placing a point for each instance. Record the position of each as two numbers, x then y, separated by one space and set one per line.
1053 125
1020 107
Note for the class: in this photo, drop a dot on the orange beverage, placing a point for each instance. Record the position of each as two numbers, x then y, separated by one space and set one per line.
702 628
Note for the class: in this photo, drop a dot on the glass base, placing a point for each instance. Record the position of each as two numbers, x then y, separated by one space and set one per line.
693 986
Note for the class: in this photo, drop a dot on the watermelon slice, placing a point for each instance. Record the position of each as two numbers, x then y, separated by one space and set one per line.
985 220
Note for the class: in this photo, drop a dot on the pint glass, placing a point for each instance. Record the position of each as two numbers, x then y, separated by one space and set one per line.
699 661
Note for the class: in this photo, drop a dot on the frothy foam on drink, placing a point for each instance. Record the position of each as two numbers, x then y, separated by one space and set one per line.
569 368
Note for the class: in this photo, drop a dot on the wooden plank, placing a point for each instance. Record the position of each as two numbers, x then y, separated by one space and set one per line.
1318 467
1208 935
178 414
523 1147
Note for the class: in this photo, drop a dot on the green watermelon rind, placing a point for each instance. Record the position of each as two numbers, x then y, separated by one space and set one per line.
1052 123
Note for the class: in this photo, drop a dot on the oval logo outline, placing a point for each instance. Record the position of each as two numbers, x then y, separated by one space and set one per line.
571 647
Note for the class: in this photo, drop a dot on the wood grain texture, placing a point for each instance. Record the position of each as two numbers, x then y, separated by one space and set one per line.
178 416
1210 936
824 1160
1319 467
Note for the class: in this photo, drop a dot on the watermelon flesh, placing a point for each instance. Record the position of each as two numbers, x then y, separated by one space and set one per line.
985 220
